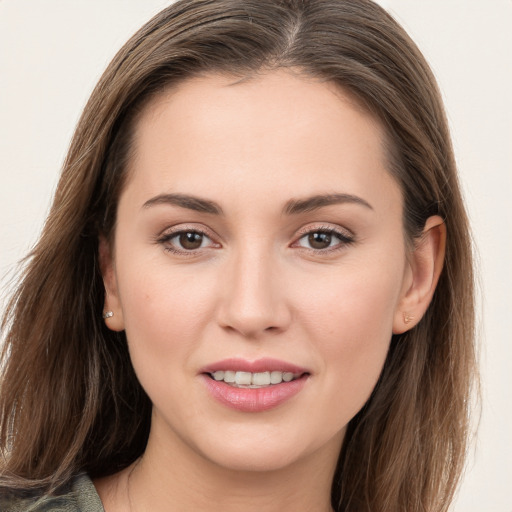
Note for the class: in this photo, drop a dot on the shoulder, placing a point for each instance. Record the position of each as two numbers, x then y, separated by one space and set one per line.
81 496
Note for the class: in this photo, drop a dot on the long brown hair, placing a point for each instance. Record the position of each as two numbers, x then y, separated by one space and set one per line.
69 398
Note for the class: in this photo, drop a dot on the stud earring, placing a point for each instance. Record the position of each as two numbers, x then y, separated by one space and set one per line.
408 318
108 314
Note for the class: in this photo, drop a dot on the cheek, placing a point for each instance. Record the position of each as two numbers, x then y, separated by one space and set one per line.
164 321
352 303
350 319
164 310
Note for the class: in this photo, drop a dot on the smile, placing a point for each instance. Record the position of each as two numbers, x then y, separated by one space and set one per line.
254 386
241 379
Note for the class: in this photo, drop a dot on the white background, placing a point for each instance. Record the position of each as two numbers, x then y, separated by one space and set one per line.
52 53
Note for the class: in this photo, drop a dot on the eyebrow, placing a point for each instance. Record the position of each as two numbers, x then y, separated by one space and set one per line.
292 207
296 206
185 201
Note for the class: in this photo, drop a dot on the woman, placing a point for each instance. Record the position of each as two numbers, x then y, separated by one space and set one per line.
254 288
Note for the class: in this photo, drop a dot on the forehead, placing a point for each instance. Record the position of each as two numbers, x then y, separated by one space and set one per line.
268 101
279 129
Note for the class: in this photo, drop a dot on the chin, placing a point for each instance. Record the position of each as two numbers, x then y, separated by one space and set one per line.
268 452
255 459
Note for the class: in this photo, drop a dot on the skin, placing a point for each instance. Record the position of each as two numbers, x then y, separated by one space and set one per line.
256 287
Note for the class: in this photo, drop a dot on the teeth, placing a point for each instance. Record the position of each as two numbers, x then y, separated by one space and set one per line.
261 379
253 380
276 377
243 378
229 376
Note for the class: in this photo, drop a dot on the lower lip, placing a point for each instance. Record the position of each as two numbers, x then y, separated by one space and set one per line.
254 400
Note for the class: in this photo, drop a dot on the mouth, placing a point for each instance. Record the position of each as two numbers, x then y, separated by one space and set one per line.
254 380
254 386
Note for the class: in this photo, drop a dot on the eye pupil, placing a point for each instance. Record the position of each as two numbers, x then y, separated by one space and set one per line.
190 240
319 240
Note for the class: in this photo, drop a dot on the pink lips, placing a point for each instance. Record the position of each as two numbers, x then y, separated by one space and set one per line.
249 399
260 365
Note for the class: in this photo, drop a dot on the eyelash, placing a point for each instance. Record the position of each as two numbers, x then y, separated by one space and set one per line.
166 238
344 240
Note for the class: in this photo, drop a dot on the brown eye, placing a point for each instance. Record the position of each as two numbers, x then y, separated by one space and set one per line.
186 242
318 240
323 239
190 240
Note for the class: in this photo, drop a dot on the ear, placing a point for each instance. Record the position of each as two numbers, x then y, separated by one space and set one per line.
115 322
425 265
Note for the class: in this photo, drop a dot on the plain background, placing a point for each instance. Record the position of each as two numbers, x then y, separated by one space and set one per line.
52 53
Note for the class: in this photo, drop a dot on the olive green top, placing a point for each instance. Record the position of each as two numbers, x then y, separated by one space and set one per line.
81 497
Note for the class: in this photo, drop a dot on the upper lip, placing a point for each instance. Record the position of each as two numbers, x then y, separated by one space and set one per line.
259 365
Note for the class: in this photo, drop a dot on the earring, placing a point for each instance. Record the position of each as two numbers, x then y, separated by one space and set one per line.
408 318
108 314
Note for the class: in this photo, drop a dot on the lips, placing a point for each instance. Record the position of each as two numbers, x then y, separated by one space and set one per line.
253 386
260 365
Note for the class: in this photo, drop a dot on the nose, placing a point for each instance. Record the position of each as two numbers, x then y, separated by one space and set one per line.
254 299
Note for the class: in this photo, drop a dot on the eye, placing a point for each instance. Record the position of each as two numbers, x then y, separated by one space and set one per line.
324 239
186 240
189 240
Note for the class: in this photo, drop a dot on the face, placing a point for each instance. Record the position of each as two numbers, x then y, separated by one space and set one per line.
259 239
